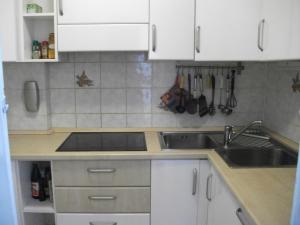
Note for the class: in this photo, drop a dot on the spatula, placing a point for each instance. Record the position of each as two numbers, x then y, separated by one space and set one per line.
191 105
203 109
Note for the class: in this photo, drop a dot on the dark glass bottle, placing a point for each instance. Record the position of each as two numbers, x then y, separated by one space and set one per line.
35 179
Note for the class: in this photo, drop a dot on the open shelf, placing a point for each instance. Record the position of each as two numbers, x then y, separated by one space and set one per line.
39 219
47 6
40 60
37 26
35 206
38 15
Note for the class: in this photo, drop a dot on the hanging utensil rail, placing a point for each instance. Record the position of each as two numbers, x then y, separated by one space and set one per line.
238 68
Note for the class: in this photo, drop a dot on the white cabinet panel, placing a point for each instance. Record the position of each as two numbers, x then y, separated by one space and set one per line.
102 219
227 30
223 207
104 37
281 33
8 30
103 11
171 29
172 198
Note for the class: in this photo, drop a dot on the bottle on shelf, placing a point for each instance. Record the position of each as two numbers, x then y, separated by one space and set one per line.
35 181
36 51
42 194
45 50
48 184
51 46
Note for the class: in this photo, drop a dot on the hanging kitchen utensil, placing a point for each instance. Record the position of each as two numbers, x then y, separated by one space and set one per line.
227 110
170 99
191 105
211 108
180 107
221 106
203 109
232 99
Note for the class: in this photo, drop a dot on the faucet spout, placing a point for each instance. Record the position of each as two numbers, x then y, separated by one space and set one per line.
228 132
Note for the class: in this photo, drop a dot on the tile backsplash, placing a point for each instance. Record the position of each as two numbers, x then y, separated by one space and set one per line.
126 93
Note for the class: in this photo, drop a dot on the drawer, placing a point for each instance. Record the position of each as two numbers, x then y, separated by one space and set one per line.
103 200
101 173
102 219
103 37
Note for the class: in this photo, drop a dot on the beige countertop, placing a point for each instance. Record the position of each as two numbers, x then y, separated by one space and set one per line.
265 194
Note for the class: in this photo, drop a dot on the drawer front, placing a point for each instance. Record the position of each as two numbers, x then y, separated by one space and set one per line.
103 200
103 219
104 37
101 173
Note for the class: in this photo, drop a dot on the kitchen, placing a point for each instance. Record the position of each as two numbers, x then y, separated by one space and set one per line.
132 112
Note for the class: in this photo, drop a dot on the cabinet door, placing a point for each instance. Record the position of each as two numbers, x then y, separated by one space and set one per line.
227 30
222 207
172 29
173 200
103 11
281 29
103 37
8 30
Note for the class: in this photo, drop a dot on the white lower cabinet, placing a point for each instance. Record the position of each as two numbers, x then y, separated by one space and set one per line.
176 192
102 219
223 209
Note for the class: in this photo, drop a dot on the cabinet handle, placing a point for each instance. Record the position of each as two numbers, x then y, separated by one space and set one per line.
197 39
61 10
153 38
260 39
95 223
239 213
100 198
195 176
208 187
90 170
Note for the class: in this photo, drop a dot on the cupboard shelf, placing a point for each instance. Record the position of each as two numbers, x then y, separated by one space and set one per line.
35 206
38 15
40 60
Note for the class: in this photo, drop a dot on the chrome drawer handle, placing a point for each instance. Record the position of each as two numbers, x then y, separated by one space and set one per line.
195 176
90 170
61 10
239 214
197 39
99 198
208 187
153 38
260 39
104 223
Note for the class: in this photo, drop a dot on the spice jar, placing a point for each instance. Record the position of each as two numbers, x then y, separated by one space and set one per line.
36 51
44 49
51 46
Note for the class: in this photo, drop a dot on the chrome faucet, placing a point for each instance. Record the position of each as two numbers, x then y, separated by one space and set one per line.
229 136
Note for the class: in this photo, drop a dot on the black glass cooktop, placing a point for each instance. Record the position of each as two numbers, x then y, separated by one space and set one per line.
104 141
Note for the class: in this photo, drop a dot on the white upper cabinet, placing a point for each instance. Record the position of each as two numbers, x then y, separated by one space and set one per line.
103 25
103 11
280 29
171 29
8 30
227 30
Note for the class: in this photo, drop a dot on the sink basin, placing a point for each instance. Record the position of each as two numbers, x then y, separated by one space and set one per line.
258 157
185 141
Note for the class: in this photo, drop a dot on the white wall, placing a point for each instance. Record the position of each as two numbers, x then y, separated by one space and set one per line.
127 90
282 105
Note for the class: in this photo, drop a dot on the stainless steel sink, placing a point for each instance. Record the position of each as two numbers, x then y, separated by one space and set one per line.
258 157
185 141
